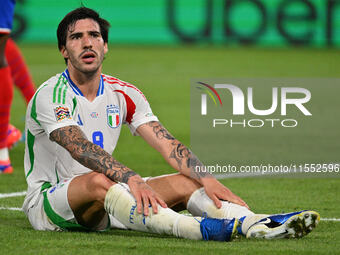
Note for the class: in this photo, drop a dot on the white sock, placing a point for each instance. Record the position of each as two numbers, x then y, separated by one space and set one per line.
4 154
199 203
114 223
120 203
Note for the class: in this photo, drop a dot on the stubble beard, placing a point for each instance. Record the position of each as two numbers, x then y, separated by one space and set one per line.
84 69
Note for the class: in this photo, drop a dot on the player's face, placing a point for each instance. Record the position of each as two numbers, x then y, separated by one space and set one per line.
85 47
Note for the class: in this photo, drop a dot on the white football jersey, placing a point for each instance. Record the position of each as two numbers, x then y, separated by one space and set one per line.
59 103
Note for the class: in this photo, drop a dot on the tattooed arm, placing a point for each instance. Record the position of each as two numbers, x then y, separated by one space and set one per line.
89 154
173 151
94 157
186 162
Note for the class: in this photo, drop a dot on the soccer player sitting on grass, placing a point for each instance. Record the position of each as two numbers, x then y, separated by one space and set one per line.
73 124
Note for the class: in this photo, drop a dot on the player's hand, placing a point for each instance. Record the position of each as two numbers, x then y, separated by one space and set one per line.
217 192
144 195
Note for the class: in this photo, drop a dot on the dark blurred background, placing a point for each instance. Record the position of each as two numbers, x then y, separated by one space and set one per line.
219 22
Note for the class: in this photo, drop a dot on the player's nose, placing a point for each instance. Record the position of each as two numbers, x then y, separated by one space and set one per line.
87 42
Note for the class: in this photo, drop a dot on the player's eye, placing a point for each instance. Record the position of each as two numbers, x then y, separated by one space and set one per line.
75 36
95 34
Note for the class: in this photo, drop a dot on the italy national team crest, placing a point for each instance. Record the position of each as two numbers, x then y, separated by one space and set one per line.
113 118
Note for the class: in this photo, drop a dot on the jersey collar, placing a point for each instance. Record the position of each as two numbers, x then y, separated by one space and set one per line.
76 90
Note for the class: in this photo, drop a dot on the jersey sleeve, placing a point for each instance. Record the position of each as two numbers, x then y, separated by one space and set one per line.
53 107
138 110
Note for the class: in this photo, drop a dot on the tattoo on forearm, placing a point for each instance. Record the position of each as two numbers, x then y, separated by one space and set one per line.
197 169
89 154
180 153
160 131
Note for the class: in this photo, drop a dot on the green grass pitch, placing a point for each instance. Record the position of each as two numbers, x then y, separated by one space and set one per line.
164 74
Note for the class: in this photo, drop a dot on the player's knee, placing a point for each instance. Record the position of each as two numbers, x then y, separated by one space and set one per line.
189 184
98 185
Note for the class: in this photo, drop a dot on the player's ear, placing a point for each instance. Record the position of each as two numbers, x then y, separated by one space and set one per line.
64 52
106 48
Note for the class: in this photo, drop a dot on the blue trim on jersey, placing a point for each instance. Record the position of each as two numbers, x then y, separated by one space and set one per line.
73 86
77 91
102 81
101 86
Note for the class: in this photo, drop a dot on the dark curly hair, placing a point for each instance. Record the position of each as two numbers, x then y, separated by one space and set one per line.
72 17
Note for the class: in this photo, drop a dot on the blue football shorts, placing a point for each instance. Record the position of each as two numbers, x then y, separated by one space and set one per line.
6 16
